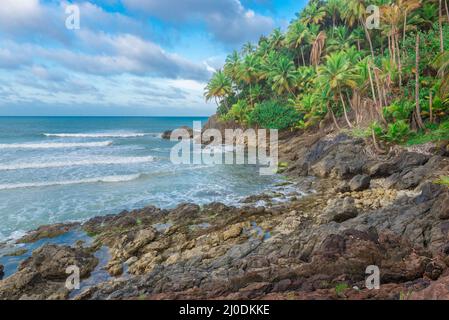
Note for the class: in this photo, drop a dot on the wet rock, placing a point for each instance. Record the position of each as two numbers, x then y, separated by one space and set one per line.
438 290
43 275
340 210
233 232
2 273
441 207
49 231
185 211
167 134
360 183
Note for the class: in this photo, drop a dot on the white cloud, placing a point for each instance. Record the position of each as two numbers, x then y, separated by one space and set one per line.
228 20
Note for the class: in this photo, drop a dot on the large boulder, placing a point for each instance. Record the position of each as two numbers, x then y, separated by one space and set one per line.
43 275
167 134
360 182
340 210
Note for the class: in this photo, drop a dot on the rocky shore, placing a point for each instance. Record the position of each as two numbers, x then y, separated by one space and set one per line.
352 208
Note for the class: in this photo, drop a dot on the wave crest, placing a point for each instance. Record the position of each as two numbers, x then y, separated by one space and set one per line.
105 179
76 163
97 135
55 145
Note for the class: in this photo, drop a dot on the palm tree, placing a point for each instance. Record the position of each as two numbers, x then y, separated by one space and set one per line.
232 66
248 48
283 76
340 39
218 88
276 39
333 8
442 65
354 12
296 37
314 13
250 72
338 74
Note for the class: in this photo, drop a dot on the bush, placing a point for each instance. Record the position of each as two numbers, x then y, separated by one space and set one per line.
398 131
274 115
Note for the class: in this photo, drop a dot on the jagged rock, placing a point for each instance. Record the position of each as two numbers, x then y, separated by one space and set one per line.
48 231
43 275
167 134
441 207
438 290
340 210
360 183
2 273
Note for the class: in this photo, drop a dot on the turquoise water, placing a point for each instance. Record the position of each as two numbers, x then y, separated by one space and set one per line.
73 168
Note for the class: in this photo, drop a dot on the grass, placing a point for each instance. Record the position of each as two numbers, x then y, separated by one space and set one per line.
444 180
341 288
437 133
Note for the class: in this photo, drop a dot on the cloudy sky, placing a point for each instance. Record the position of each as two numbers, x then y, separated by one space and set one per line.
129 57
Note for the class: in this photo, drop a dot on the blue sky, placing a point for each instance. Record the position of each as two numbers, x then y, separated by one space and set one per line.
129 57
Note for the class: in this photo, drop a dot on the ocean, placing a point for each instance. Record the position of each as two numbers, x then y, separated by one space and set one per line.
61 169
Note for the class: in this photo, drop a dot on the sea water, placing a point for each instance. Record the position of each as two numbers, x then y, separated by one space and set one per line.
60 169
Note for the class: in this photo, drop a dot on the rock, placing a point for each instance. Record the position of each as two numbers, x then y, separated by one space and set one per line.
43 275
2 273
51 261
441 207
343 187
360 183
340 210
167 134
49 231
438 290
233 232
185 211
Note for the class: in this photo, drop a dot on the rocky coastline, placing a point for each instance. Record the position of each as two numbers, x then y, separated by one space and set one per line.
352 208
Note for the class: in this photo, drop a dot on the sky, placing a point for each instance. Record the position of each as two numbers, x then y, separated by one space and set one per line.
128 57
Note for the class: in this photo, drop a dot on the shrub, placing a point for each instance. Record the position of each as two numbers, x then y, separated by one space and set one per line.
274 115
397 131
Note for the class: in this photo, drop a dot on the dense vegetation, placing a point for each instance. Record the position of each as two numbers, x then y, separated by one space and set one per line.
329 66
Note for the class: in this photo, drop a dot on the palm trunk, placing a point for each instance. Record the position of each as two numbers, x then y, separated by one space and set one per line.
447 10
399 61
303 59
418 118
431 106
344 111
405 27
368 37
333 118
440 24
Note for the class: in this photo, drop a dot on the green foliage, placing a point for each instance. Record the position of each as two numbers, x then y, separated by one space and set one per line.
397 131
341 288
273 115
436 133
399 110
444 180
326 64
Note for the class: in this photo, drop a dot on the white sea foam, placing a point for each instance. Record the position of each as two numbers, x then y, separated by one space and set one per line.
105 179
55 145
98 135
76 163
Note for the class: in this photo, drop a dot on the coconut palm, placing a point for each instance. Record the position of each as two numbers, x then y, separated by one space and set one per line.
250 72
333 8
337 74
442 65
232 66
313 13
283 76
218 88
297 36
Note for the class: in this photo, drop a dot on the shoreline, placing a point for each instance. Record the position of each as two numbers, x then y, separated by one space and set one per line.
365 211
